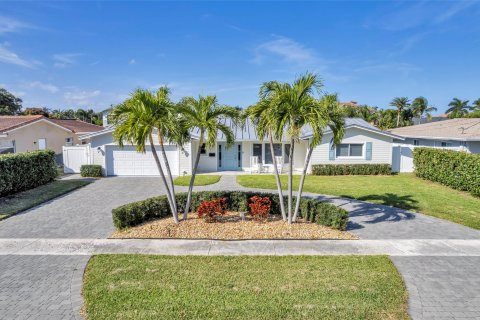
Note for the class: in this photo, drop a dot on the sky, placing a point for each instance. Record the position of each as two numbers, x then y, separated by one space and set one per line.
90 54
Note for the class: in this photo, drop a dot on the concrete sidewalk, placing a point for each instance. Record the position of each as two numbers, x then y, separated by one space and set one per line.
413 247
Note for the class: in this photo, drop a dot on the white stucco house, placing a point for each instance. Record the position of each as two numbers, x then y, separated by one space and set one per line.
362 143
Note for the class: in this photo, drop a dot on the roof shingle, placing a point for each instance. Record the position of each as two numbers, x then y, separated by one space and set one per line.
455 129
8 123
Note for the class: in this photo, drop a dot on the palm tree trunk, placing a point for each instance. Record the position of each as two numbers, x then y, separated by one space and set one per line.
277 177
169 172
159 166
302 180
192 179
398 117
290 182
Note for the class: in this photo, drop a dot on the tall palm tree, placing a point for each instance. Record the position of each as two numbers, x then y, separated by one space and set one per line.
263 116
458 108
401 103
420 108
476 104
137 119
206 114
326 114
293 106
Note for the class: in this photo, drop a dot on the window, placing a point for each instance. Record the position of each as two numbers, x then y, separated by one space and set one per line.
446 144
68 141
203 149
350 150
257 152
286 158
239 156
416 142
219 156
277 149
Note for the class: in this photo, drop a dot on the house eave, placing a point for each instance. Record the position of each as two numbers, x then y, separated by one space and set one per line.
442 138
391 135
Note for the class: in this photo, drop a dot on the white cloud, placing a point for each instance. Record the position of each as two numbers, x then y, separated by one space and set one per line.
11 25
10 57
453 10
286 49
63 60
44 86
81 97
132 61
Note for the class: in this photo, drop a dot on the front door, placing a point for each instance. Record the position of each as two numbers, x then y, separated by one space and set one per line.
229 158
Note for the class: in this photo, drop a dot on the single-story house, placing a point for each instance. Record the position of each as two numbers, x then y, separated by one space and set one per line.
362 143
27 133
461 134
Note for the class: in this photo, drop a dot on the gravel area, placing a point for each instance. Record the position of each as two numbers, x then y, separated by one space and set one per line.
231 227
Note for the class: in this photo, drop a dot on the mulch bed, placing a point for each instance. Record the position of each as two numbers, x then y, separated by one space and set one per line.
231 227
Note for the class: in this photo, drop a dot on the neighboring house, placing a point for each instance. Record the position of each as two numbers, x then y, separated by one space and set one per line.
460 134
363 143
27 133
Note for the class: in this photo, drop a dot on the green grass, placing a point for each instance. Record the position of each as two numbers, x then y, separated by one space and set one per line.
243 287
404 191
200 180
13 204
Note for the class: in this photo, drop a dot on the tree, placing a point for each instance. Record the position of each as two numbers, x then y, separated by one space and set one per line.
420 108
137 119
458 108
294 106
9 104
401 103
205 114
36 111
476 105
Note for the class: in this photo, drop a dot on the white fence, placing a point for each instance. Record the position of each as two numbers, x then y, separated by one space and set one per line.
402 158
74 157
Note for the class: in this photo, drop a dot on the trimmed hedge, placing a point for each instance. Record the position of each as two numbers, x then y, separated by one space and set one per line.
459 170
351 169
91 170
26 170
134 213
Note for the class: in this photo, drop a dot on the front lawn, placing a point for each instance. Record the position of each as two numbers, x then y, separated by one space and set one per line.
243 287
200 180
10 205
404 191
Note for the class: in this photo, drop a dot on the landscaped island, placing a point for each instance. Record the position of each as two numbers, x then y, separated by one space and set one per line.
230 215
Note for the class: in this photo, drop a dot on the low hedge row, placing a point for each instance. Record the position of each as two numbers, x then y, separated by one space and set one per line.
134 213
351 169
459 170
91 170
26 170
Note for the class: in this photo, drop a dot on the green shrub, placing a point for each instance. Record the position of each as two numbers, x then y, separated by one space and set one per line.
91 170
26 170
135 213
459 170
351 169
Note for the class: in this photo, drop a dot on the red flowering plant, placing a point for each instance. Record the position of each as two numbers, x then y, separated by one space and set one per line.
260 207
210 209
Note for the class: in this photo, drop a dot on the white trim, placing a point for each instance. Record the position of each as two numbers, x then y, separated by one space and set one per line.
442 138
40 120
388 134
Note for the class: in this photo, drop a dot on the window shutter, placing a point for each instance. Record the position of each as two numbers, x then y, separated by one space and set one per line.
368 153
331 151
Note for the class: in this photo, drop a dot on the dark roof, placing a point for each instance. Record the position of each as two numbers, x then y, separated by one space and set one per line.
77 126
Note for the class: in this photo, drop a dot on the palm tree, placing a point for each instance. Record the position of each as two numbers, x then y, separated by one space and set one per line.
401 103
476 104
420 107
137 119
293 107
458 108
206 114
263 116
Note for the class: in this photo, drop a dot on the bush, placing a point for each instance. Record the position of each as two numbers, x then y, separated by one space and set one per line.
210 209
260 207
26 170
455 169
91 170
351 169
135 213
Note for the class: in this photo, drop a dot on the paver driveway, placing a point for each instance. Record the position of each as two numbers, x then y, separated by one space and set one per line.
38 285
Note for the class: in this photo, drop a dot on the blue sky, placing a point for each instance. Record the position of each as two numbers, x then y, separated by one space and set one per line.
92 54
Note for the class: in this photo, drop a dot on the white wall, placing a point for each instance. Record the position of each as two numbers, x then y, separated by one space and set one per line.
206 163
381 148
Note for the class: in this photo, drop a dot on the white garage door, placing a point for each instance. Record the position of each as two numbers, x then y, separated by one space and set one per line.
129 162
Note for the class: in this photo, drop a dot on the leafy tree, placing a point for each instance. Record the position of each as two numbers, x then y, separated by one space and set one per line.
401 103
9 104
420 108
137 119
458 108
36 111
294 106
476 105
205 114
